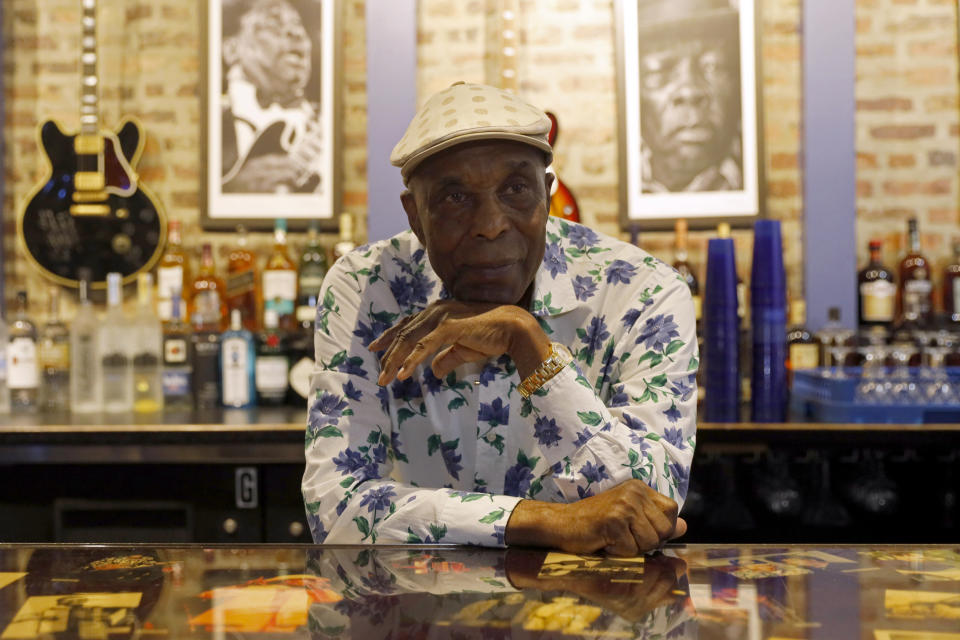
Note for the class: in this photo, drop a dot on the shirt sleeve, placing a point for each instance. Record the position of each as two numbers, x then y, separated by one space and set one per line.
350 449
646 428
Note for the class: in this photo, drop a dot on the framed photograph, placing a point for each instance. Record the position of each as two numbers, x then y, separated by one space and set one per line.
689 119
270 84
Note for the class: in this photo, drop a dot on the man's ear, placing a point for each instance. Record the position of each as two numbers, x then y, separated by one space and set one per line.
409 203
549 177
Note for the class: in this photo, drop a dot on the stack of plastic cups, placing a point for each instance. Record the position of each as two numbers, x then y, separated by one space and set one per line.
768 307
721 328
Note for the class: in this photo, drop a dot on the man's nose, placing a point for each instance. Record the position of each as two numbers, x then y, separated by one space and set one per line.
490 220
691 88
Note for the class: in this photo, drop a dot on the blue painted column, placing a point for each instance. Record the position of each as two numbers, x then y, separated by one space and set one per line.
391 102
829 160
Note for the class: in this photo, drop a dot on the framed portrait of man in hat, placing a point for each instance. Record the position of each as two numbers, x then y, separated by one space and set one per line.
270 123
689 118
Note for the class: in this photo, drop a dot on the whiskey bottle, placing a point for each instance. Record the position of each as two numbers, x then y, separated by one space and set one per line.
54 358
173 271
116 348
346 243
208 307
915 295
237 362
313 267
23 376
86 375
273 364
205 345
683 267
243 282
177 363
951 287
280 280
147 362
877 291
803 350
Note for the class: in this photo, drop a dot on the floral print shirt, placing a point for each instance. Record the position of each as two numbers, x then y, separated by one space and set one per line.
429 460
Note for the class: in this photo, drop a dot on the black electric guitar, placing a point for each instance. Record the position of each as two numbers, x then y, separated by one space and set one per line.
91 211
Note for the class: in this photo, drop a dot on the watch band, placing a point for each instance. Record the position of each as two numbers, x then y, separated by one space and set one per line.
559 358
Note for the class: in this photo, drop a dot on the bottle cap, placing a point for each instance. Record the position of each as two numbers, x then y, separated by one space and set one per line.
768 279
270 318
235 319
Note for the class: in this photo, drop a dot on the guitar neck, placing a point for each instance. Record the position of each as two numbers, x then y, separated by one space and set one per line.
89 94
508 41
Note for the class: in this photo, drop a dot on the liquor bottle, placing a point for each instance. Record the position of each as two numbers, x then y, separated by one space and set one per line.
237 362
803 350
280 280
243 282
346 243
313 267
877 291
915 295
207 303
173 271
54 358
177 363
273 364
4 390
22 372
951 287
683 267
116 349
86 375
147 364
206 368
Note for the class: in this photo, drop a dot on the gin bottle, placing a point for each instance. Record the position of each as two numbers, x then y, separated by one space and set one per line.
115 351
237 362
147 381
85 371
54 358
23 375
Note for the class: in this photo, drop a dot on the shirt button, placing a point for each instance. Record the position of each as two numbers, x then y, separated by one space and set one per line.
490 437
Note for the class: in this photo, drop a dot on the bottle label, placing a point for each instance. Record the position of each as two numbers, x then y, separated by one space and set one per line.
176 383
300 377
279 290
169 279
235 363
271 374
240 283
206 369
878 299
956 295
804 356
916 298
84 365
22 364
175 350
54 355
310 285
207 307
306 312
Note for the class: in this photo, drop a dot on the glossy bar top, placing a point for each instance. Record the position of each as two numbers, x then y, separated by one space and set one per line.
724 592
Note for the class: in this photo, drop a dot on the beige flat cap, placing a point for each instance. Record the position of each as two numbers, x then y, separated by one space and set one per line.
464 112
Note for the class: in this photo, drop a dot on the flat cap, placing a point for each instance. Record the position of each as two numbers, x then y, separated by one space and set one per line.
464 112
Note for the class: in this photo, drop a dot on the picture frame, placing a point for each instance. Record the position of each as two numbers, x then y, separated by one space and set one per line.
270 125
696 153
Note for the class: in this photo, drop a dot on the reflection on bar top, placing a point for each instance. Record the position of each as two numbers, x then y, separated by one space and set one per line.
751 592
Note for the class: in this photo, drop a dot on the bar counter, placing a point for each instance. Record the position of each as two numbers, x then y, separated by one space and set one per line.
754 592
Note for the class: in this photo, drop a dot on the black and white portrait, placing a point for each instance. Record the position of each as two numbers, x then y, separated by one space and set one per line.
269 108
688 108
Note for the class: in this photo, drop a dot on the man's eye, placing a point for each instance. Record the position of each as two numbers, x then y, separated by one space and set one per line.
456 197
517 188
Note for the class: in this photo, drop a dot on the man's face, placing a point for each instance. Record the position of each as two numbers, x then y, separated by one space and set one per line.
273 48
689 93
480 209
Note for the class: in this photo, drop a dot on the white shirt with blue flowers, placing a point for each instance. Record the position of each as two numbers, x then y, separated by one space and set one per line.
430 460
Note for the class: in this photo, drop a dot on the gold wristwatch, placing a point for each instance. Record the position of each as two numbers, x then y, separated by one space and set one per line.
559 358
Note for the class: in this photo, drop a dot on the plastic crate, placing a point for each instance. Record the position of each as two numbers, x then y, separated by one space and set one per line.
831 395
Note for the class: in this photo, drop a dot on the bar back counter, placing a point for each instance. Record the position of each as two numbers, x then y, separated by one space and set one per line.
234 477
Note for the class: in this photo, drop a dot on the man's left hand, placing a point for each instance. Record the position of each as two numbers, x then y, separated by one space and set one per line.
458 333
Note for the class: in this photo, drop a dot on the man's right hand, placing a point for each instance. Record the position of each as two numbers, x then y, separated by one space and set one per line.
627 520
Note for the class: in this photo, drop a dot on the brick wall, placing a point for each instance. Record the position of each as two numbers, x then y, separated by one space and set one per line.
566 64
150 68
908 110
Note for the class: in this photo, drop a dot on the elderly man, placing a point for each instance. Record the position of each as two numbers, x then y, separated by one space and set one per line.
494 375
690 96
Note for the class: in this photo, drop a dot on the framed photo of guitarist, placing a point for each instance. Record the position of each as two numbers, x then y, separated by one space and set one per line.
271 87
689 120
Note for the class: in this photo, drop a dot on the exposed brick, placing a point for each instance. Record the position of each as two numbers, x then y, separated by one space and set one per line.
875 50
139 12
936 104
944 216
935 76
941 49
903 132
891 103
864 188
942 158
867 160
902 160
782 188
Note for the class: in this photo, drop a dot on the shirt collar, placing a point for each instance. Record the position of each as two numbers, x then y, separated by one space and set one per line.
553 292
